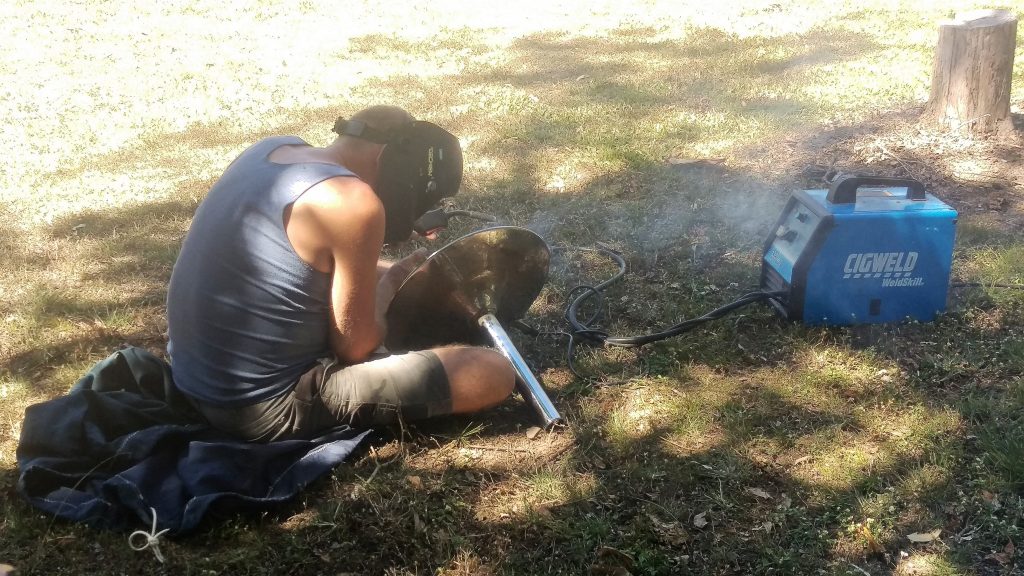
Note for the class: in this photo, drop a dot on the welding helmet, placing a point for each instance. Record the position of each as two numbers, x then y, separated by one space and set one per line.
421 163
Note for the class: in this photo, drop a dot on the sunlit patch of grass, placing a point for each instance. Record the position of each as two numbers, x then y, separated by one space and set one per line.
928 564
642 410
1004 264
466 563
15 395
881 443
536 494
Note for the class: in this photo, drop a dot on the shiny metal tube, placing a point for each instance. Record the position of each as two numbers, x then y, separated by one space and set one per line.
527 383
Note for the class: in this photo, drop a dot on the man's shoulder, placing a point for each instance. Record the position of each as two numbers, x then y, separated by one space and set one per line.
339 208
340 195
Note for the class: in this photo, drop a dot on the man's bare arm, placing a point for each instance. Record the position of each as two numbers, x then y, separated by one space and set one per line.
347 223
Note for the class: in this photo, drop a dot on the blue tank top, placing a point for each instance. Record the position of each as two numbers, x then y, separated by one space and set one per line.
246 316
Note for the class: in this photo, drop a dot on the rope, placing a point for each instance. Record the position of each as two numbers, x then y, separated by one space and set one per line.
152 539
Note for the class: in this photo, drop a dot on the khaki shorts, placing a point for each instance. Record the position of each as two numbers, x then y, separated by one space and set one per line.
379 392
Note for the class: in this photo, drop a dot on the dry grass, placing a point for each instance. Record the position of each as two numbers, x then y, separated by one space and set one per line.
579 120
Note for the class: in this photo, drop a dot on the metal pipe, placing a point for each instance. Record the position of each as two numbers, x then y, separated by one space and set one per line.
527 383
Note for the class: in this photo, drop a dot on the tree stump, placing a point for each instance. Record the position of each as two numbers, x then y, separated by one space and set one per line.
973 71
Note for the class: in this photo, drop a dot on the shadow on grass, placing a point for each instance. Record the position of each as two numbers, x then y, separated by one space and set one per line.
536 508
691 231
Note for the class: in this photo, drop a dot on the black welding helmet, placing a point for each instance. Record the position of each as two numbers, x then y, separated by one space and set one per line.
421 163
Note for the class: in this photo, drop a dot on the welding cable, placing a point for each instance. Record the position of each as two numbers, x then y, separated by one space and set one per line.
687 325
582 328
583 332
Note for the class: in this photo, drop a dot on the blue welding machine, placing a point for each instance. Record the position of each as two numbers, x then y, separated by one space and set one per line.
866 250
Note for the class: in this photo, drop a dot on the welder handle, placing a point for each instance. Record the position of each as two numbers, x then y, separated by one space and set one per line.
843 189
526 383
438 218
430 221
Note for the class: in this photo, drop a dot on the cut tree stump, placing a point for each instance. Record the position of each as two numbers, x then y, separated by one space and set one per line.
973 71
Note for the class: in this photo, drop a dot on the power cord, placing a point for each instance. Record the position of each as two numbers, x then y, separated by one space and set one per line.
583 330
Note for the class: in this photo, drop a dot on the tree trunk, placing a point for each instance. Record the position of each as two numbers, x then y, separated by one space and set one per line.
973 71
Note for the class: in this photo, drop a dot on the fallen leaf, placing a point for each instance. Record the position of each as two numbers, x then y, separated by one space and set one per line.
669 532
1009 548
612 562
924 537
533 432
6 570
766 526
542 510
677 161
786 502
417 523
415 481
759 493
1000 557
607 552
992 499
699 521
801 460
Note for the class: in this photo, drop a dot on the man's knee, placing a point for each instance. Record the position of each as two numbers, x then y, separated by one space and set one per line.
479 377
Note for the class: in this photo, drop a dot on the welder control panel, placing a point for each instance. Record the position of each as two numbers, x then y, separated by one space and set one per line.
790 239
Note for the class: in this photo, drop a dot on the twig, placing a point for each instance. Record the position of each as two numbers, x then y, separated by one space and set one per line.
859 569
498 448
886 151
372 474
674 443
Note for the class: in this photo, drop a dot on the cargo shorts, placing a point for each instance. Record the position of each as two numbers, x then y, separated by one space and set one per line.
382 391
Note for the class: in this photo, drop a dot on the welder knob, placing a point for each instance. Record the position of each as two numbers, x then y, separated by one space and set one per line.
784 233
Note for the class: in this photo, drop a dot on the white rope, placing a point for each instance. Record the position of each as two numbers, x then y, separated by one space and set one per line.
152 539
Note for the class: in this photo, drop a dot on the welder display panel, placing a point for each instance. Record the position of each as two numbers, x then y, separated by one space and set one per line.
881 268
791 237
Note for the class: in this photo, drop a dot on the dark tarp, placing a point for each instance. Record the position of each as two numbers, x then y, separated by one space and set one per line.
125 440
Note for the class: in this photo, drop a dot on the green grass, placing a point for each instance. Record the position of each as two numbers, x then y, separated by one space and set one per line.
673 134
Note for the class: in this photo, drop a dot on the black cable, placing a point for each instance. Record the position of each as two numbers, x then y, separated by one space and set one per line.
984 285
582 329
687 325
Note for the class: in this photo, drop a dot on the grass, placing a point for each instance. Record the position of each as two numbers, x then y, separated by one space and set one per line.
673 134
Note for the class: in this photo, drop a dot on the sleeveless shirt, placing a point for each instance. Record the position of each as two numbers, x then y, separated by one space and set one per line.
246 315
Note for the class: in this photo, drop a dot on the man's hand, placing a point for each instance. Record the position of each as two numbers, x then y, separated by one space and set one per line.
392 279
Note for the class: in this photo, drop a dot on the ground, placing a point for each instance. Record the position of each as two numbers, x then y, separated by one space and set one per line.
672 132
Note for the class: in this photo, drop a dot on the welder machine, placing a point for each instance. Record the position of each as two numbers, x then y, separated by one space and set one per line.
865 250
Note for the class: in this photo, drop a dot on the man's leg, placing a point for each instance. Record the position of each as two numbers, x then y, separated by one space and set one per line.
413 386
479 378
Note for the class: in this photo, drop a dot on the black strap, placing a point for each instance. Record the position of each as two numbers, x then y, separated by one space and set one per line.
359 129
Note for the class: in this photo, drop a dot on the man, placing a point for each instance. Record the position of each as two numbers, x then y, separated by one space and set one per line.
276 303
